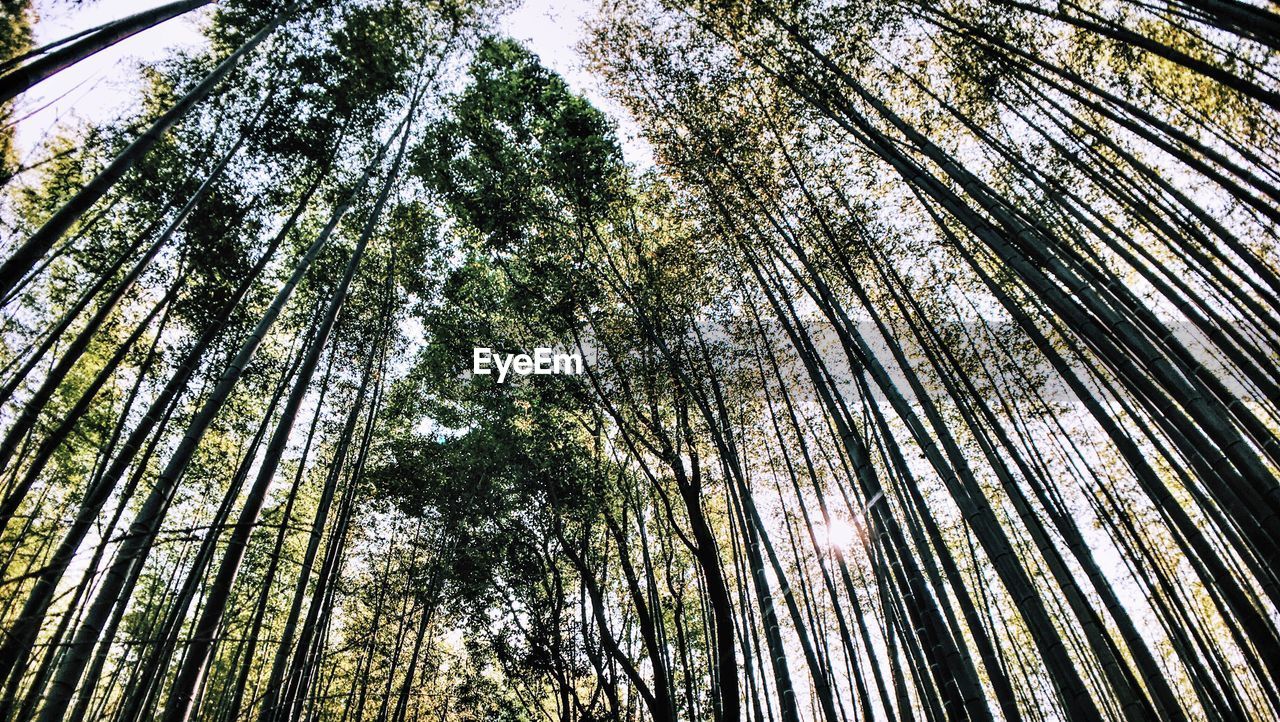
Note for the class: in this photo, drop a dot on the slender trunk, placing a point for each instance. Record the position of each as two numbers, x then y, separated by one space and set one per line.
179 707
23 78
137 544
100 489
336 467
30 252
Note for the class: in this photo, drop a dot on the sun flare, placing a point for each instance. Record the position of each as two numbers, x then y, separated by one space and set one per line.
839 535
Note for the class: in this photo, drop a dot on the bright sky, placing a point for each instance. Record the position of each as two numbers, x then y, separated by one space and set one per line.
102 88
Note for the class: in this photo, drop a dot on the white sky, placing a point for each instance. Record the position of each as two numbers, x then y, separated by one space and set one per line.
100 88
103 87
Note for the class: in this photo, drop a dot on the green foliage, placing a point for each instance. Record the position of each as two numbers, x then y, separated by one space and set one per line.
16 17
522 159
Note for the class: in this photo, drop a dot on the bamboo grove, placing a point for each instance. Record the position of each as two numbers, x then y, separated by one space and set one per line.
931 366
